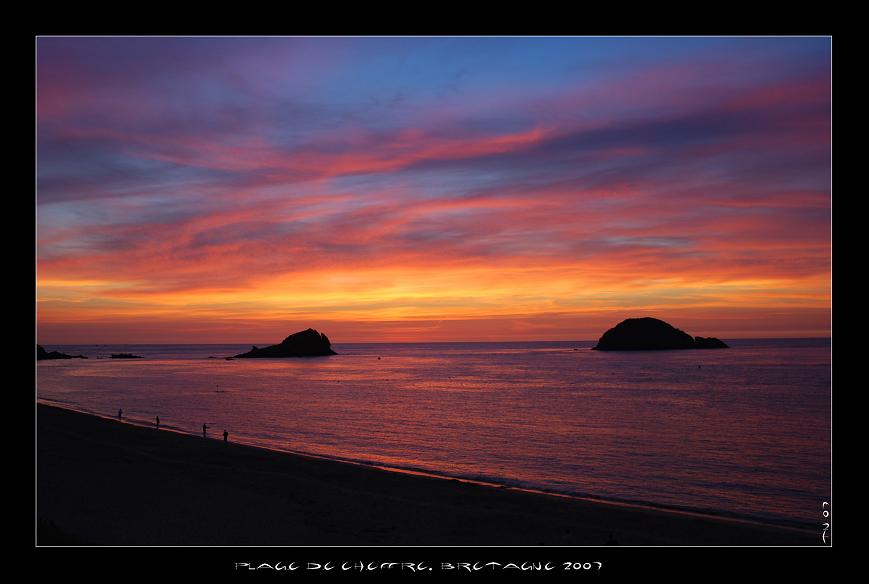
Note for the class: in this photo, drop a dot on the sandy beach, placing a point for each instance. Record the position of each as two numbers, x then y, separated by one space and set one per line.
101 482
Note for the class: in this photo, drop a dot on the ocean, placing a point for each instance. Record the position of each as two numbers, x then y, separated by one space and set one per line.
742 432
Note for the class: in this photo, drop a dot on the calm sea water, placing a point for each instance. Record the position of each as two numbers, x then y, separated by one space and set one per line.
742 432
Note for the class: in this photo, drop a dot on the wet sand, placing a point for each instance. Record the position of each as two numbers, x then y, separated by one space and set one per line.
102 482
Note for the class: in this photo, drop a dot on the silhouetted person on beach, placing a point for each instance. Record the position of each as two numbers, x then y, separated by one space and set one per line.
225 436
204 428
158 422
120 414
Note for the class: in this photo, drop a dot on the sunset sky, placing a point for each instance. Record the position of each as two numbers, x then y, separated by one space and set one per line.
430 189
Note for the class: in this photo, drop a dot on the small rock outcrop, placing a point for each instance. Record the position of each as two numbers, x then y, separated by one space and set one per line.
307 343
126 356
709 343
652 334
42 354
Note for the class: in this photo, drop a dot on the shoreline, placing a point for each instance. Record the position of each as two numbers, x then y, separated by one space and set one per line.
105 482
627 503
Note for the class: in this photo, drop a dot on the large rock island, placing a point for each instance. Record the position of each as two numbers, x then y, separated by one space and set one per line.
652 334
307 343
42 354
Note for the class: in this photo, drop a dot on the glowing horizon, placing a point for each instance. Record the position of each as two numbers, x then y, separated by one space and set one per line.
431 189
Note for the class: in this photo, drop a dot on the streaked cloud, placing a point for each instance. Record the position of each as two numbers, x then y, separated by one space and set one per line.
205 183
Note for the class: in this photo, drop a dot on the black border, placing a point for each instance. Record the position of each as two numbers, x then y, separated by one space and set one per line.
807 563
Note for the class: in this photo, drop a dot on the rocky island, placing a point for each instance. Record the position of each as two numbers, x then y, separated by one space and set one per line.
652 334
42 354
307 343
126 356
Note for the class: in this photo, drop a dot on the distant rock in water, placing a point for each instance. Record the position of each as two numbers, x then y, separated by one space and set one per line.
126 356
307 343
652 334
709 343
43 354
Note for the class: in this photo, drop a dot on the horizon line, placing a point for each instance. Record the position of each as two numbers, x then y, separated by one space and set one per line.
819 338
